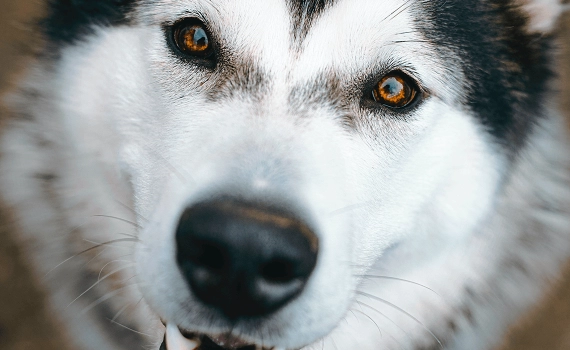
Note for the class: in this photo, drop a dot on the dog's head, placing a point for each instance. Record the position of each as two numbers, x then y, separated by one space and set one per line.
277 150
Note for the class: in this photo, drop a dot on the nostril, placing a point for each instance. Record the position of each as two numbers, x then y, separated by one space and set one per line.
278 270
209 256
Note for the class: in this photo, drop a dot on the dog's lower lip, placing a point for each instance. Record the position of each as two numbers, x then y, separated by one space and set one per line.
220 342
175 339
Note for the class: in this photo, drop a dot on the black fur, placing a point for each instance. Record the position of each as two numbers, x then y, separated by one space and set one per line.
304 12
69 20
507 68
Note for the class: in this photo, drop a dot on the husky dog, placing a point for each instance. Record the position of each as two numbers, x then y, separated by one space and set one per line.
290 174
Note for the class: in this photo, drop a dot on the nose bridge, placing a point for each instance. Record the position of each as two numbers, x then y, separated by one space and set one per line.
263 156
270 153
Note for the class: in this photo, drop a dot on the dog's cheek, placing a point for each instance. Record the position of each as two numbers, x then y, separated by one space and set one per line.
439 180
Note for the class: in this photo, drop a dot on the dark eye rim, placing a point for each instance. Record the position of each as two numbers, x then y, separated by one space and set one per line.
208 59
368 100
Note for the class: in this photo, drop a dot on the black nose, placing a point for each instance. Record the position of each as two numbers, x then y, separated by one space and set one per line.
243 259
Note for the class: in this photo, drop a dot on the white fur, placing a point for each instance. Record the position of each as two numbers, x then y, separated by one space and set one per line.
411 198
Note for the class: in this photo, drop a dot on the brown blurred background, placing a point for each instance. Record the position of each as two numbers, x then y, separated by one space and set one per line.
25 323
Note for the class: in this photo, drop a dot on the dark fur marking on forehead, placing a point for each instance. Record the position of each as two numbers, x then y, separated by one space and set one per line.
508 69
304 12
243 79
325 90
69 20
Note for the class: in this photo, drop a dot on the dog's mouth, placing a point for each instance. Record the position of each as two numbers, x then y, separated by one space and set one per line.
174 339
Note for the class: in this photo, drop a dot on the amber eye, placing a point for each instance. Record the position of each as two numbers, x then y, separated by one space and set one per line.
395 90
191 38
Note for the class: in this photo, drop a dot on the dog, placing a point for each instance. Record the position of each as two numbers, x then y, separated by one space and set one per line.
290 174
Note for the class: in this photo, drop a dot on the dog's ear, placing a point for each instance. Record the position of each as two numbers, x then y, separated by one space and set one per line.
543 14
68 20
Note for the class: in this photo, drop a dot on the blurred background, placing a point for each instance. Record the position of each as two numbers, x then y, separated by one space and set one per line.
26 323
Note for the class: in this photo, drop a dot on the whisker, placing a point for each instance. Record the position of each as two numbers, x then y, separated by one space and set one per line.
127 235
130 278
98 245
395 42
353 314
138 302
116 247
112 261
130 329
96 256
135 306
372 320
350 208
407 32
398 10
400 280
402 311
104 298
99 281
334 343
172 168
119 219
356 265
410 41
361 303
118 314
131 210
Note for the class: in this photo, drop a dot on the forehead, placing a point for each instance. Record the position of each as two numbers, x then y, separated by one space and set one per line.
339 34
300 13
302 43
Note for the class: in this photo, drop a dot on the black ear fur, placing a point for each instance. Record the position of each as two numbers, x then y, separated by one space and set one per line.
69 20
507 67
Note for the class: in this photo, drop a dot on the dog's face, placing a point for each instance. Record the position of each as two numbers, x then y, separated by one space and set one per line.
278 150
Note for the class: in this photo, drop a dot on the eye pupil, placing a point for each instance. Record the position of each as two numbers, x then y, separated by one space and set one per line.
192 39
394 91
195 39
392 88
